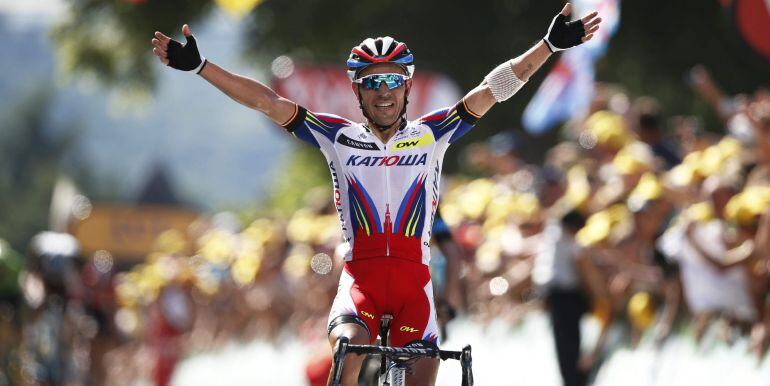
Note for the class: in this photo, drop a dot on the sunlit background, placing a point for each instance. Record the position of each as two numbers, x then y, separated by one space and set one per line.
155 232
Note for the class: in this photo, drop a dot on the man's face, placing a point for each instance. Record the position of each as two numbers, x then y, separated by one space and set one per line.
383 105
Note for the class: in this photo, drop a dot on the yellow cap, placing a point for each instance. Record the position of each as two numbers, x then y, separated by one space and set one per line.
711 162
238 8
692 158
170 241
641 310
297 263
633 158
578 188
245 268
682 175
301 226
648 189
745 207
526 207
126 289
714 159
327 229
609 129
475 197
730 147
500 208
261 230
702 211
607 225
217 246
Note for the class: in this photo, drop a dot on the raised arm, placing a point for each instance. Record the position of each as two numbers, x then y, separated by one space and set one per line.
507 78
244 90
249 93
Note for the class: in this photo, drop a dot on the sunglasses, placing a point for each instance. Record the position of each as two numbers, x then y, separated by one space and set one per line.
373 82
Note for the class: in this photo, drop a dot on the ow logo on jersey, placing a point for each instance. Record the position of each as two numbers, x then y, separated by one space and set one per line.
426 139
368 315
393 160
408 329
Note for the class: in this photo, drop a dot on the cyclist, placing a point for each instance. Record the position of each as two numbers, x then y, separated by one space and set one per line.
385 173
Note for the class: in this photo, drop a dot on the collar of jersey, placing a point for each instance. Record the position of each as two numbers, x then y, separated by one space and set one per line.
400 127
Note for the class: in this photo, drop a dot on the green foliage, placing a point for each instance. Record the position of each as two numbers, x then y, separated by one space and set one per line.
659 41
109 40
29 166
306 170
11 263
462 39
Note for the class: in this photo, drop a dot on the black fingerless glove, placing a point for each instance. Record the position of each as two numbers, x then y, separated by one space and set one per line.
563 34
185 57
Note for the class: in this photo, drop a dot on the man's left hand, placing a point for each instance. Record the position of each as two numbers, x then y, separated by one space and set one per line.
563 34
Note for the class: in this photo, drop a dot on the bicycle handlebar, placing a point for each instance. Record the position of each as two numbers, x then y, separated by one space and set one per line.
406 351
343 347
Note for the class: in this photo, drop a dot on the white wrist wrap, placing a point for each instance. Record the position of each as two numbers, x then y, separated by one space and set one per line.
503 82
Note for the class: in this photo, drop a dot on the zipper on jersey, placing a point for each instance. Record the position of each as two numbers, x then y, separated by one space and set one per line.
388 225
388 229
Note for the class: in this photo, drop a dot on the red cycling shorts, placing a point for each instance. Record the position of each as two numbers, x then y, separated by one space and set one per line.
372 287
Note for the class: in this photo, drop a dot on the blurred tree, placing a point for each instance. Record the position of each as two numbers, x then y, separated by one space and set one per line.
446 38
462 39
109 40
658 41
305 170
29 166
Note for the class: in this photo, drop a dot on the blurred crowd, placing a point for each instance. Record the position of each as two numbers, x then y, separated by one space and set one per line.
648 224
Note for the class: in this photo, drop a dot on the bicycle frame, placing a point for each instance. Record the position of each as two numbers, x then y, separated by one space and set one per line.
389 367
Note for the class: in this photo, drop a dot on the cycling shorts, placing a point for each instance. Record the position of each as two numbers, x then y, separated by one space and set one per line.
372 287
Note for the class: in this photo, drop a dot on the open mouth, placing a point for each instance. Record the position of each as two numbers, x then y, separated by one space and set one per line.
384 105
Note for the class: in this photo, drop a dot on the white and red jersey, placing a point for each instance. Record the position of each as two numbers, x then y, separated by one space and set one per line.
386 194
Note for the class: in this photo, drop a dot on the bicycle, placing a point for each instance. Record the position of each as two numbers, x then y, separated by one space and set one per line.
395 360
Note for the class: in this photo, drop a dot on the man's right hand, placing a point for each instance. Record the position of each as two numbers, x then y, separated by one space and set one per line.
175 55
241 89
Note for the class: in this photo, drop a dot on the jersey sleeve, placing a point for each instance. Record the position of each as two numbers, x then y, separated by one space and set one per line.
453 121
312 127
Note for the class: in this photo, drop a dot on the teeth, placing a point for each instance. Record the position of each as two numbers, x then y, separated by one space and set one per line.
384 105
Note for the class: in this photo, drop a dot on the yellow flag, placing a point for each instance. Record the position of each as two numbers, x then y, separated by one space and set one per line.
238 8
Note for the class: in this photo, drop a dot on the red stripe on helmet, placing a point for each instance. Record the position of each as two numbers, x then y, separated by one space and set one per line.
384 59
399 48
363 54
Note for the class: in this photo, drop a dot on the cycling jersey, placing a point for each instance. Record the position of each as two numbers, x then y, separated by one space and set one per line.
385 193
